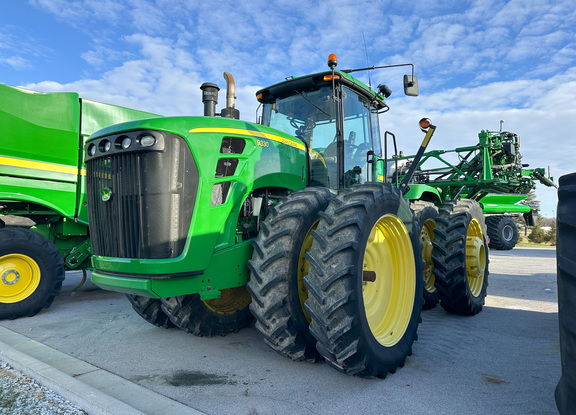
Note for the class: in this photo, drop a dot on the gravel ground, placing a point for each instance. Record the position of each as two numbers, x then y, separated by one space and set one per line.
21 395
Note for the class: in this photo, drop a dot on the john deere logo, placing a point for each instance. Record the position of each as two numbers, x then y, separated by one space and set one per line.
105 194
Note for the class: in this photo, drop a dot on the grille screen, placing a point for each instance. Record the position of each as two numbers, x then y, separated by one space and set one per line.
141 203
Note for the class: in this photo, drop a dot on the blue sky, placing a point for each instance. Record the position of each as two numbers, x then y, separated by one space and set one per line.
478 61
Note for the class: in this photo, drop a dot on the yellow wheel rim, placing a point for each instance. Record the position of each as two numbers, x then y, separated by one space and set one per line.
427 236
19 277
303 269
475 257
231 301
389 299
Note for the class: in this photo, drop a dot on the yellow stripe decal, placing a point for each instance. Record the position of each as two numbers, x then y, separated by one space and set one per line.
38 165
251 133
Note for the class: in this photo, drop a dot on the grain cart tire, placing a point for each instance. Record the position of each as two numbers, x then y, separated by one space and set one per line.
565 247
278 267
150 309
217 317
365 281
31 271
502 232
426 215
461 257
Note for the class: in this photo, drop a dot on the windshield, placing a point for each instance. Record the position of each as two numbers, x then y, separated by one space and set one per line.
308 115
311 116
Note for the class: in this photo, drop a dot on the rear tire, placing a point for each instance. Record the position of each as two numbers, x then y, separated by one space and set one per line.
426 214
461 257
150 310
565 248
217 317
278 267
502 232
31 273
365 281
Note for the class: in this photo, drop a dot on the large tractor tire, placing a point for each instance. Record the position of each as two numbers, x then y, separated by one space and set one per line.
278 267
150 309
426 215
566 263
502 232
461 257
365 281
217 317
31 272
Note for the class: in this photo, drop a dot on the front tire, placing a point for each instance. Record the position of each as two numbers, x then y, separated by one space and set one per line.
150 309
218 317
278 267
461 257
31 273
365 281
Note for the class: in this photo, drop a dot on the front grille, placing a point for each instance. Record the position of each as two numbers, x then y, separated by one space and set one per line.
141 201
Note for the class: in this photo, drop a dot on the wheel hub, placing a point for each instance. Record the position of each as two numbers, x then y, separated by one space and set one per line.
20 277
10 277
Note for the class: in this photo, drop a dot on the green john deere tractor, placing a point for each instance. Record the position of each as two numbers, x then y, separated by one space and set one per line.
43 216
211 221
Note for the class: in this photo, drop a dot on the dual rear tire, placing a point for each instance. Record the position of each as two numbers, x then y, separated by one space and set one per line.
340 276
461 257
365 281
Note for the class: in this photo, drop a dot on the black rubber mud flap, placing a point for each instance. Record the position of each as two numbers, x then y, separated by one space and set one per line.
565 249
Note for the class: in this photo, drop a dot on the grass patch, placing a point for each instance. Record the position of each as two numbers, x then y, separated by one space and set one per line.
525 243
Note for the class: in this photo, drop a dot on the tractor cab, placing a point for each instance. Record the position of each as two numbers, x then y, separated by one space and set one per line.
336 116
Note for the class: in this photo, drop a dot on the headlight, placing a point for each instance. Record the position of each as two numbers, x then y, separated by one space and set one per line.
147 140
105 146
91 150
126 142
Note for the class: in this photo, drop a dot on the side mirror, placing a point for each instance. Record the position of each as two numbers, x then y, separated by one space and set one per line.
411 85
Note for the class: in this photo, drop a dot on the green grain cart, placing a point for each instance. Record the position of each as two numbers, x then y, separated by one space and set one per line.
43 214
207 222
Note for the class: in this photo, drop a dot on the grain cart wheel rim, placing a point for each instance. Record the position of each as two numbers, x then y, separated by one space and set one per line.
388 300
507 233
231 301
475 257
20 277
32 272
303 265
427 236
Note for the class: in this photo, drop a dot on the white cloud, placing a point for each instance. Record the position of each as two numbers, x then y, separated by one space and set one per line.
16 62
479 61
